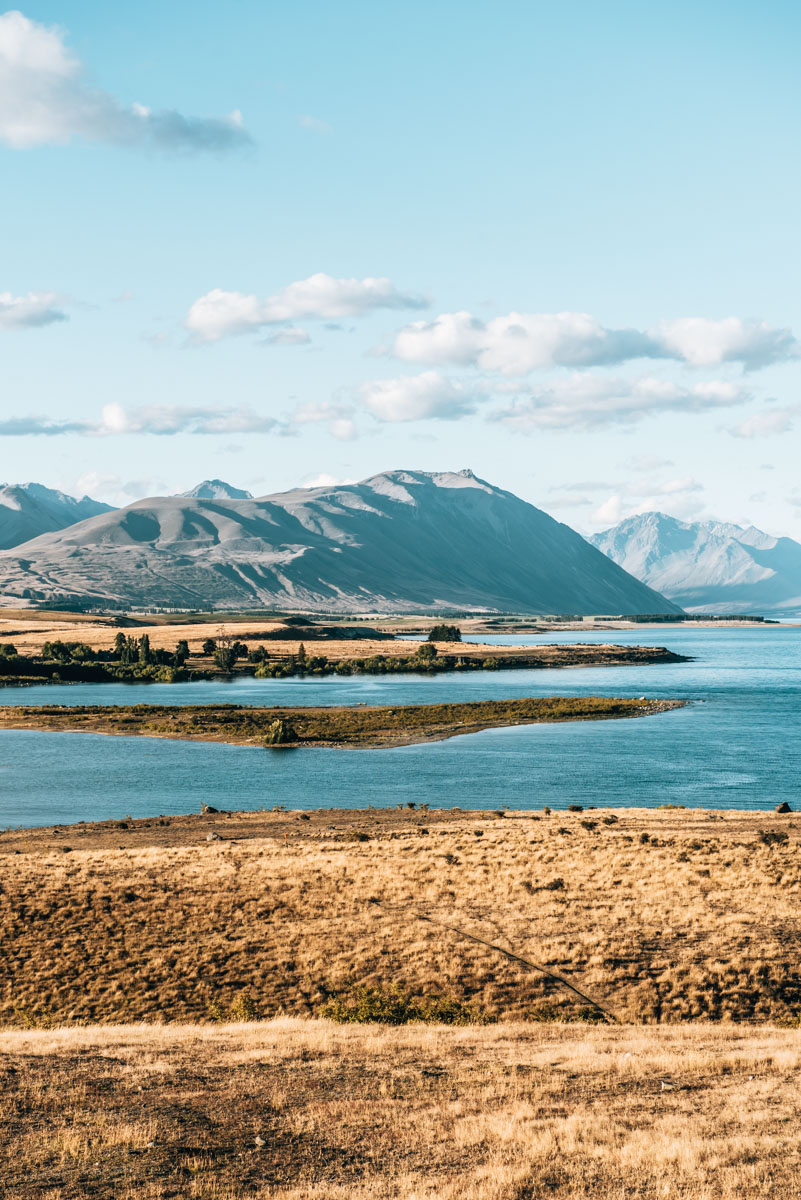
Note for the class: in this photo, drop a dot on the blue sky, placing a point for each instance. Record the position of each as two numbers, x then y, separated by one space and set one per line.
257 272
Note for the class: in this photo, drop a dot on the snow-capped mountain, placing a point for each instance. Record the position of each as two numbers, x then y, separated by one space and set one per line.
708 566
28 509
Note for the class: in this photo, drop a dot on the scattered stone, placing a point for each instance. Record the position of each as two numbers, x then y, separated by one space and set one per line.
784 807
208 808
213 837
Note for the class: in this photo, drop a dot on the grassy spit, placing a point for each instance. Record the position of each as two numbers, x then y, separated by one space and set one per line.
336 726
305 1110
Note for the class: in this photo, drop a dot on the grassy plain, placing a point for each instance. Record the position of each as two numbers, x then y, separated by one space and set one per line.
333 726
305 1110
663 916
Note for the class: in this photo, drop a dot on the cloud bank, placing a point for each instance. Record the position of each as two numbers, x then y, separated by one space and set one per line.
45 101
220 314
519 343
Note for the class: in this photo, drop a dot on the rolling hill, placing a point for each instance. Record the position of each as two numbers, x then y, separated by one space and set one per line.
404 541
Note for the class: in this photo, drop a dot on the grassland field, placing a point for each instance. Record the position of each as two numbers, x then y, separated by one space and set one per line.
126 943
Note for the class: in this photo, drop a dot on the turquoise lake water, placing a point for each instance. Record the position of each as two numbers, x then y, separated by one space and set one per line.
736 746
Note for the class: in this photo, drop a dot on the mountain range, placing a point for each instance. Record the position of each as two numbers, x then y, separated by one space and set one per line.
28 509
403 541
708 566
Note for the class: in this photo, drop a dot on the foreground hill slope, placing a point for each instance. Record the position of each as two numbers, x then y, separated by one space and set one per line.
30 509
400 541
708 566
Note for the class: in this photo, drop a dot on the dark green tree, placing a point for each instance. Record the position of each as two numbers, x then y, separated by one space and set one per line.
209 646
181 652
445 633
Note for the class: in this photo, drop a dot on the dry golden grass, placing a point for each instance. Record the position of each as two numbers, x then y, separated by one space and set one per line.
304 1110
664 915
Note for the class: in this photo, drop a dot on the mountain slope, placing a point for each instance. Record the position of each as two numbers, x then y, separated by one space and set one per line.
708 566
401 541
29 509
215 489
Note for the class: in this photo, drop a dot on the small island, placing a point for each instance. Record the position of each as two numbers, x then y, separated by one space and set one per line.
359 726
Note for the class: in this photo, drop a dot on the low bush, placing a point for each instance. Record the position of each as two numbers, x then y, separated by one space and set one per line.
374 1006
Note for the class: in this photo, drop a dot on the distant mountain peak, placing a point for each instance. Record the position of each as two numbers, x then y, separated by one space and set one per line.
30 509
215 489
708 566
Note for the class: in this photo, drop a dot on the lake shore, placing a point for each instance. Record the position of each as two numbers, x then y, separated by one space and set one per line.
360 726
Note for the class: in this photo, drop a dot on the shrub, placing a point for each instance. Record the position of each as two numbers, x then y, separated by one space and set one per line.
280 733
550 1013
368 1006
242 1008
773 837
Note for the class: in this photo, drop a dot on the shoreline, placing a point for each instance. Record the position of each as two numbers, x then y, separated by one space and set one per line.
383 659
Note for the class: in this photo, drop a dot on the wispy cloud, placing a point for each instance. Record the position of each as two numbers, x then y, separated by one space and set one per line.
586 401
519 343
767 424
31 311
220 314
44 100
314 124
158 419
338 418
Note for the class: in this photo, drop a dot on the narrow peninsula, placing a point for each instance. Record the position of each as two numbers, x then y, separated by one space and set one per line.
360 726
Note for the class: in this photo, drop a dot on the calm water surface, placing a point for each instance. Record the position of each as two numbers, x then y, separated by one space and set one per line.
736 746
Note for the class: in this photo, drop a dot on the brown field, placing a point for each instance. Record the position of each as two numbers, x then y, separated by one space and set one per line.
365 725
306 1110
663 916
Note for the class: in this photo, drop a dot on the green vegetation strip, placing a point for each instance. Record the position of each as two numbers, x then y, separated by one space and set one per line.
360 726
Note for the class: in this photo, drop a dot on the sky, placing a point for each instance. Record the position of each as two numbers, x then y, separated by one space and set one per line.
555 242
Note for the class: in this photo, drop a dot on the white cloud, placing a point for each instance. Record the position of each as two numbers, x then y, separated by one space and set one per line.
44 101
766 424
677 496
31 311
114 490
326 480
519 343
339 418
418 397
288 337
586 401
166 419
219 313
705 343
158 419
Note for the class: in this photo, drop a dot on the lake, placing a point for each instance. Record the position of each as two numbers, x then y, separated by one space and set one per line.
736 746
